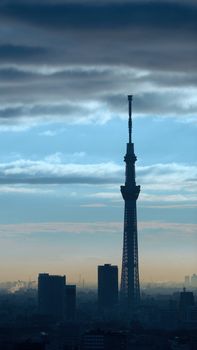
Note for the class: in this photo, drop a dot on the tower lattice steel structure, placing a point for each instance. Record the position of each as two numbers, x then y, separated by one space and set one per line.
130 288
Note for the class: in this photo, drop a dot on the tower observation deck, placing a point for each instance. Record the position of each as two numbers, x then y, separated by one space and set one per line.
130 288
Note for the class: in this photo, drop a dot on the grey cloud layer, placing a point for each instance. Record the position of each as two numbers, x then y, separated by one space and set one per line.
77 94
16 53
171 182
104 16
55 172
64 51
156 35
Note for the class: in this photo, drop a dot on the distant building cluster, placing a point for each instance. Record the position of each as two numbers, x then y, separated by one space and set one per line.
58 316
191 281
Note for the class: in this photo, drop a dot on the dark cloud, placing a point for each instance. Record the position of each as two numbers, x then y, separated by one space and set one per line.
12 74
37 110
116 16
95 79
155 104
149 35
78 95
57 56
28 115
58 180
52 171
139 34
15 53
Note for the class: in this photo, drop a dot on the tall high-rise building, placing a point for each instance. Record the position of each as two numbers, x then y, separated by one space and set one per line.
70 302
186 301
130 288
51 295
194 280
107 286
187 281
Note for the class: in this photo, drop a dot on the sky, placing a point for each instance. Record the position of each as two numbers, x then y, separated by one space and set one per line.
66 68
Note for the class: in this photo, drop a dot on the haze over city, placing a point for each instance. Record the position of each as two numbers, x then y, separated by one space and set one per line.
65 71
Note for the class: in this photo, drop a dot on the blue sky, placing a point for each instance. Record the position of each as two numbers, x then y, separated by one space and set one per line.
64 82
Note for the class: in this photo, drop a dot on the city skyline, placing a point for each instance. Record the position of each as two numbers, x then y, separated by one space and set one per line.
63 128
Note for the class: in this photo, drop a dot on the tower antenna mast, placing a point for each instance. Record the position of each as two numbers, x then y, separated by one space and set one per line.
130 98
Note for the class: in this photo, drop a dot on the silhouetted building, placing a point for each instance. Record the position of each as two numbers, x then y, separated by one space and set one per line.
130 288
70 302
51 295
194 280
107 286
185 302
187 281
192 316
